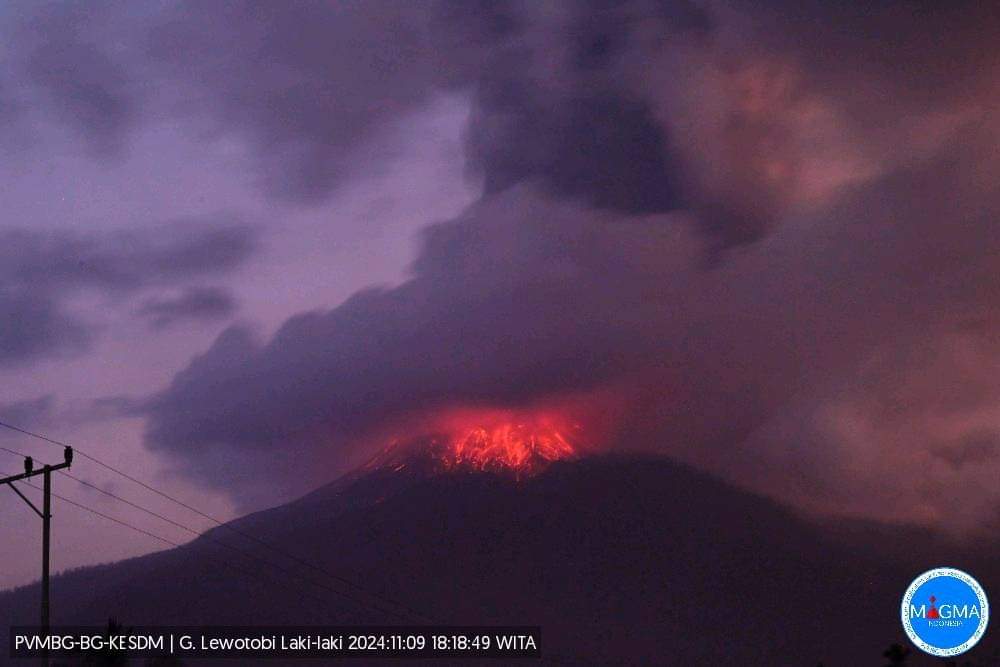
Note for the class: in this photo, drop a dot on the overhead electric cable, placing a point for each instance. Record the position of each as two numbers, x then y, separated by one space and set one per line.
160 538
202 535
412 612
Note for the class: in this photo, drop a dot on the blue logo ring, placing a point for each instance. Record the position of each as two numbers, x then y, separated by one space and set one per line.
945 612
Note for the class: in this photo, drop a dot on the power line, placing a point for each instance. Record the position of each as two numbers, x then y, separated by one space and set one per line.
556 659
362 604
160 538
14 452
33 435
109 518
45 514
130 503
412 612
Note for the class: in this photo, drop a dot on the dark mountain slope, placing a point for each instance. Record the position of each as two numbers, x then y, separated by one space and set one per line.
621 561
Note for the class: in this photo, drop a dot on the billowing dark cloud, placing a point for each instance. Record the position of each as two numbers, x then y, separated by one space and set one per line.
737 110
740 368
830 163
61 54
550 106
40 272
318 87
309 84
123 260
603 148
508 302
194 303
34 326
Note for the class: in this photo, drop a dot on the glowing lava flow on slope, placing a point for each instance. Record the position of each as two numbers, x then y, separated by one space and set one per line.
521 442
521 447
518 441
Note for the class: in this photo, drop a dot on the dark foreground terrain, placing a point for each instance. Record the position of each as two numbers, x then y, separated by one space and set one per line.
621 561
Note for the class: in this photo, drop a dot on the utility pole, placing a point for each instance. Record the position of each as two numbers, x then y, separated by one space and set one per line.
46 514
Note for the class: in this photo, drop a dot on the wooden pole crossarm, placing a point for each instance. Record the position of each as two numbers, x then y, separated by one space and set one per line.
46 514
25 499
38 471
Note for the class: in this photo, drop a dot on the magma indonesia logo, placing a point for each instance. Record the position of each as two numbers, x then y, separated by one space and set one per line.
945 612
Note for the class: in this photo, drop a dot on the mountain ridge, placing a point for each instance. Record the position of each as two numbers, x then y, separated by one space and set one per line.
617 558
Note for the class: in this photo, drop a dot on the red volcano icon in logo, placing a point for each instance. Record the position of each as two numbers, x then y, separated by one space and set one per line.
933 612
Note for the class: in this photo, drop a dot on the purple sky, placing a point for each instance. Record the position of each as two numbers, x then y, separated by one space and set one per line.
766 230
175 180
305 258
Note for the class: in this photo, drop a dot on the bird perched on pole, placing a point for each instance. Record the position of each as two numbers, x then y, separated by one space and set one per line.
29 465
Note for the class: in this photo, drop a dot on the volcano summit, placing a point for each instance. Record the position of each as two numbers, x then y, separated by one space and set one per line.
602 552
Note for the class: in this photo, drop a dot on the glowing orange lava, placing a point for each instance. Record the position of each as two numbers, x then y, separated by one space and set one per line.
520 441
521 447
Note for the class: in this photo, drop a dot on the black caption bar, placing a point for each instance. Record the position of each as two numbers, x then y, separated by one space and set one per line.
280 642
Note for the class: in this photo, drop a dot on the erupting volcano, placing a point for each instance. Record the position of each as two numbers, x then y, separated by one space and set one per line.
519 447
487 440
